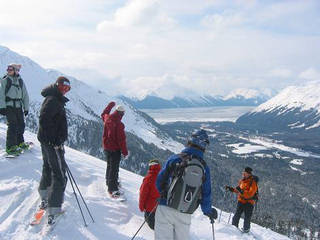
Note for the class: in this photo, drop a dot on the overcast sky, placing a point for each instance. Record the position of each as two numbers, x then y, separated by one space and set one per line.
169 46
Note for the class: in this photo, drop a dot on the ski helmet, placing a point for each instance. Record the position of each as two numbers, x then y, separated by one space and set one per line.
199 138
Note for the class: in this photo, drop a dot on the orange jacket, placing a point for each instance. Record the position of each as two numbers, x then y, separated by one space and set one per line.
249 188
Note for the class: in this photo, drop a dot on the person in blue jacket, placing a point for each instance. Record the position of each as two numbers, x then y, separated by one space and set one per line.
171 224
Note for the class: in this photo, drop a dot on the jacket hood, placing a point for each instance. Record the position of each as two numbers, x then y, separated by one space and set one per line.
116 116
53 90
154 169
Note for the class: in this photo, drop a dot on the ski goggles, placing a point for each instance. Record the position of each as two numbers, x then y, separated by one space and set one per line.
9 69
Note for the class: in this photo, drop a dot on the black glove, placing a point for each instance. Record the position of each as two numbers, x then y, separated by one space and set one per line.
26 113
239 189
228 188
212 215
3 111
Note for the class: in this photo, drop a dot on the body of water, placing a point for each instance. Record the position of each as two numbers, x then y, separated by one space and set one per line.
205 114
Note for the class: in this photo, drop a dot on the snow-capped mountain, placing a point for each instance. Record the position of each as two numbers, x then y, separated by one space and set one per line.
294 108
84 109
19 180
238 97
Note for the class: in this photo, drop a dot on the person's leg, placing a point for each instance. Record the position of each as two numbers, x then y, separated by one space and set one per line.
20 125
45 181
237 215
163 228
248 210
59 181
108 160
114 171
150 218
182 222
12 127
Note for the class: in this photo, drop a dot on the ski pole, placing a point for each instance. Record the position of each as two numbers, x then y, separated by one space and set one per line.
212 224
68 169
75 194
144 222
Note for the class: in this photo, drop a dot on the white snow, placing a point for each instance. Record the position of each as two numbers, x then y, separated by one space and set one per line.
297 161
19 179
241 148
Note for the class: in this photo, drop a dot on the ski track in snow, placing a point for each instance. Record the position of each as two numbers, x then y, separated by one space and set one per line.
19 179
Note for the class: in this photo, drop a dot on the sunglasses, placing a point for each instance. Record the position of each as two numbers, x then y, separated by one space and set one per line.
10 69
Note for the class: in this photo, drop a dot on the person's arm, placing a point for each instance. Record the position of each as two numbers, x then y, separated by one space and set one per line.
3 83
144 193
121 137
107 110
206 193
25 98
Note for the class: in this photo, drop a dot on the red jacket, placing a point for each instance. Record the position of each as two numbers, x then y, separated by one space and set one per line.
114 137
148 190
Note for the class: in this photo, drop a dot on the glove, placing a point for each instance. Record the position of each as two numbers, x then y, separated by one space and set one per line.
125 153
26 113
228 188
212 215
239 190
3 111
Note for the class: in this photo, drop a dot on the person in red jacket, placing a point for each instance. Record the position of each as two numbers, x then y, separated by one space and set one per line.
114 143
149 193
246 190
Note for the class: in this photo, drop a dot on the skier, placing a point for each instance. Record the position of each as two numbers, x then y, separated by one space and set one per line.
246 190
172 219
14 104
149 193
53 132
114 143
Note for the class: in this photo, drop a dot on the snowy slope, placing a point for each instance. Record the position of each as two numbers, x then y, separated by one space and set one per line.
85 101
296 107
19 180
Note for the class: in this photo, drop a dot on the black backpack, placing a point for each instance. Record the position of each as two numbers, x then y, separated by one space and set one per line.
184 192
256 195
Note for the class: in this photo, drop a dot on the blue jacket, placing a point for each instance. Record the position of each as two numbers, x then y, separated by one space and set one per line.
206 186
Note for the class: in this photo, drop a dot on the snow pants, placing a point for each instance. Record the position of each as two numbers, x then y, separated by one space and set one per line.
149 217
112 172
171 224
16 126
247 208
53 180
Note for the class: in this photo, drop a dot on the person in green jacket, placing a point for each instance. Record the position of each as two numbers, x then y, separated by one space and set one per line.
14 104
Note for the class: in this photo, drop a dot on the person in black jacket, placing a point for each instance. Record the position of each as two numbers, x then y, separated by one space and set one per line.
53 132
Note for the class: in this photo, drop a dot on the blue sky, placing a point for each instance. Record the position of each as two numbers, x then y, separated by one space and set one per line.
169 47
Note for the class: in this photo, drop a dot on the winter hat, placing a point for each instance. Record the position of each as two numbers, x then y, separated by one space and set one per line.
248 170
16 66
62 81
120 108
199 138
153 162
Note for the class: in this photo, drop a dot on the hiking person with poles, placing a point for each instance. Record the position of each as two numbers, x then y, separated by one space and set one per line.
184 182
14 104
247 191
114 143
53 132
149 193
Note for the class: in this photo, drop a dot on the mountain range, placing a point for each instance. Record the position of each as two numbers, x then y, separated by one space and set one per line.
237 97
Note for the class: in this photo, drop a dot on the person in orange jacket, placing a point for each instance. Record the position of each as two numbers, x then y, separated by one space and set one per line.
246 191
149 193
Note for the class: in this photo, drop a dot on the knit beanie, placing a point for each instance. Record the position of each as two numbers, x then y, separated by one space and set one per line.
153 162
248 170
62 81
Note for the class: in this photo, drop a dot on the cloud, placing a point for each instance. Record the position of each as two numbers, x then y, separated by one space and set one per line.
310 74
144 46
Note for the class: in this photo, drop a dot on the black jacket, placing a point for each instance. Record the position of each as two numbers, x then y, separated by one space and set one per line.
53 128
